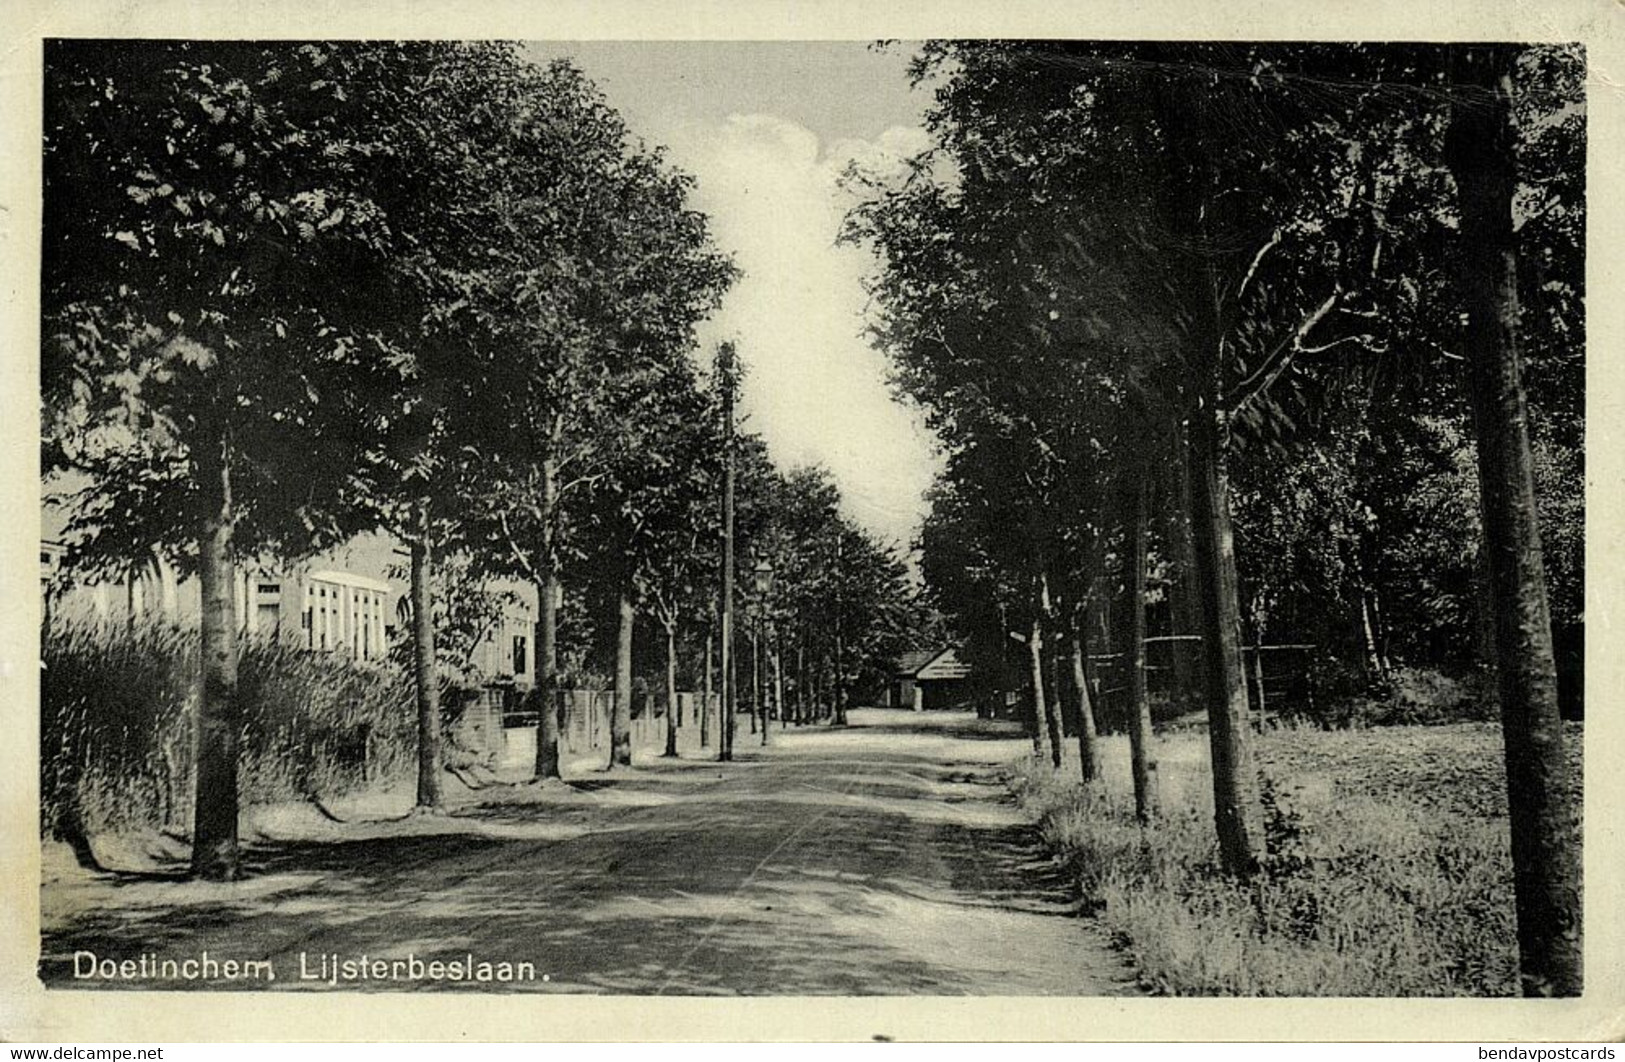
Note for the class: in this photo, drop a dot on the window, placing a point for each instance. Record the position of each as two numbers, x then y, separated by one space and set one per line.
270 588
519 648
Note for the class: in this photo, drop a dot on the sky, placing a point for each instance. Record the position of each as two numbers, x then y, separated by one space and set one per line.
766 128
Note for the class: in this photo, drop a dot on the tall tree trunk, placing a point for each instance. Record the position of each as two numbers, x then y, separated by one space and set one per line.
1186 610
620 718
214 829
1484 599
840 643
1186 106
1035 678
1060 697
705 704
1088 735
1092 624
801 679
671 688
1142 757
778 684
755 677
547 678
760 677
546 691
1545 855
1258 675
1375 671
423 662
1238 813
732 679
838 679
1052 709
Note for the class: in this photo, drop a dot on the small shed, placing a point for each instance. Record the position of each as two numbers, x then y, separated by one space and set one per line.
931 679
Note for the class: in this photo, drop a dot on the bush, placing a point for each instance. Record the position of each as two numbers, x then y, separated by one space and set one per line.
1343 697
116 736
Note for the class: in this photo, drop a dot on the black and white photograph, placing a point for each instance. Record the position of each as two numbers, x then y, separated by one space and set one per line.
1066 515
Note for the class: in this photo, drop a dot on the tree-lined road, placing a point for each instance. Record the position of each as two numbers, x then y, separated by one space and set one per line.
887 858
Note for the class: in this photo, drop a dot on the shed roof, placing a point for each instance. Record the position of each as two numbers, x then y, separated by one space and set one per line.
914 659
939 663
945 665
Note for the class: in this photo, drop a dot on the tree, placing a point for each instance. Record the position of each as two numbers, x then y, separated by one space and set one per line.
198 363
1142 757
650 512
1479 152
609 271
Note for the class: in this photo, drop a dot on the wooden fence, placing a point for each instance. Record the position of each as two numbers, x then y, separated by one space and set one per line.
1277 675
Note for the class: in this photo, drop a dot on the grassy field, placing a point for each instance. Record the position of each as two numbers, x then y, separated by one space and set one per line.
1388 873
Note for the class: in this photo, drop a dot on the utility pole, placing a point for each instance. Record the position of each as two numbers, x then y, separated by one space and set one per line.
725 372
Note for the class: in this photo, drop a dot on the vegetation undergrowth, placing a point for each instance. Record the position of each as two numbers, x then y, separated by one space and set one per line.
1388 869
117 706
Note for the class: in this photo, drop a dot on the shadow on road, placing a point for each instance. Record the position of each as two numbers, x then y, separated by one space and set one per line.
885 858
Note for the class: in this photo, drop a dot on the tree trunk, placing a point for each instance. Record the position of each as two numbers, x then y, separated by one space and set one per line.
545 695
838 680
1258 675
801 679
620 718
1374 669
705 704
1088 735
1237 812
1142 757
1060 701
840 643
1545 856
1186 610
1186 107
777 657
1035 677
546 690
763 681
1484 599
755 677
423 663
1092 623
671 688
215 854
1050 700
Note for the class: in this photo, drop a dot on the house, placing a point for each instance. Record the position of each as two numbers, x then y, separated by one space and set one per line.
931 679
342 601
320 605
505 660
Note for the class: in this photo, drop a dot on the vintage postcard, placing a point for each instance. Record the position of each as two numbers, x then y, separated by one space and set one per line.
747 522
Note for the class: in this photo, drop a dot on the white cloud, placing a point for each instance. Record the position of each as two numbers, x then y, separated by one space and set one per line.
816 390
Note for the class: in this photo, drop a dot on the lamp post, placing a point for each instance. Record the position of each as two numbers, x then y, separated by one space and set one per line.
762 582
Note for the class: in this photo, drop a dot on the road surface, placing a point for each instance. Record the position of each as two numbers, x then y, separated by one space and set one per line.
886 858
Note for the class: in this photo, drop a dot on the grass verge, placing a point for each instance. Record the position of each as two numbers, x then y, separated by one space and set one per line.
1388 870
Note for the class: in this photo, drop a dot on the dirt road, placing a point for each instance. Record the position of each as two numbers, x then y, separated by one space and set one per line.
886 858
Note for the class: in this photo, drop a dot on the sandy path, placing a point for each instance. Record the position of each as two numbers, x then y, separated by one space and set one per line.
882 859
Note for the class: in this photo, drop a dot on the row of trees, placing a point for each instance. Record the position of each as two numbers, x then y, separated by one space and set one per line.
1227 329
295 292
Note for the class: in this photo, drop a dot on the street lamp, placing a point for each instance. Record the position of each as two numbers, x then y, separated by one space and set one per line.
762 576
